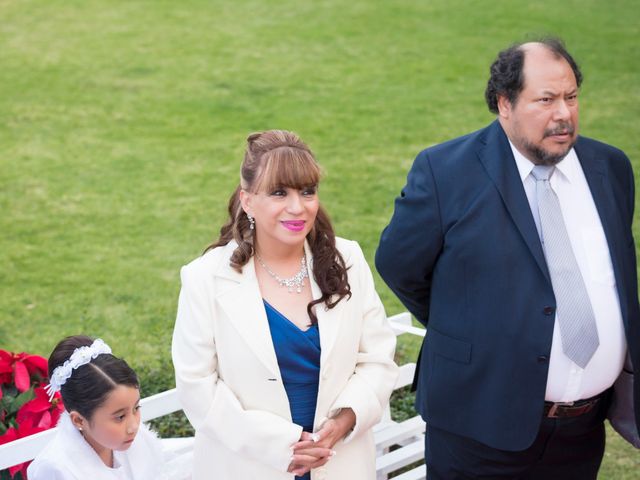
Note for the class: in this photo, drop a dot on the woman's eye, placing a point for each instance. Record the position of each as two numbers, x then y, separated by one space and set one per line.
309 191
278 193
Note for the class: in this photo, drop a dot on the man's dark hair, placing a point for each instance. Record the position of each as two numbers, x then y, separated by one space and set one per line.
506 77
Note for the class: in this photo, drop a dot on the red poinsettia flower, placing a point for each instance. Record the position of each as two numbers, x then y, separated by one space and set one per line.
39 412
21 366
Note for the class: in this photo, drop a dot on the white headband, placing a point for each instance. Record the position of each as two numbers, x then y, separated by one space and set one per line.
80 356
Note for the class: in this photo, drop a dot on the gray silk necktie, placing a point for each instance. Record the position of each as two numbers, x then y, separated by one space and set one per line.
578 329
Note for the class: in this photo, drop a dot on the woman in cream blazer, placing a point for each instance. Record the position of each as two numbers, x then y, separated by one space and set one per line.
227 372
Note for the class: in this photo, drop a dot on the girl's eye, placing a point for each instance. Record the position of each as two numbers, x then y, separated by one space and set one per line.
278 193
309 191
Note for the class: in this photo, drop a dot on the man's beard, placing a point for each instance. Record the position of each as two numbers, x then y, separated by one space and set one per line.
540 156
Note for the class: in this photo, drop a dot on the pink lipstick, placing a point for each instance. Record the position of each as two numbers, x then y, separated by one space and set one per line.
293 225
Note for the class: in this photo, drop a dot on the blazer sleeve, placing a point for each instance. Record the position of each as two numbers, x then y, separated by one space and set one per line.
210 405
368 390
410 244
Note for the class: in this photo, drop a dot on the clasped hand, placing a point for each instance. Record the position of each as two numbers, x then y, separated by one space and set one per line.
313 450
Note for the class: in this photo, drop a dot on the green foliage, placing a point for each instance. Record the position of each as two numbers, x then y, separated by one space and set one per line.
10 404
122 126
156 379
4 475
402 404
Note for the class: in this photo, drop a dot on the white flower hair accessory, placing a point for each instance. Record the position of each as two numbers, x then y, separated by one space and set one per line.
80 356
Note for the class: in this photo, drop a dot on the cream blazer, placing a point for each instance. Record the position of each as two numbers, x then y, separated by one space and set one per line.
229 382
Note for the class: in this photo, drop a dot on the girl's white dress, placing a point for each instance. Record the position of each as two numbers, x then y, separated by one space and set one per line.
69 457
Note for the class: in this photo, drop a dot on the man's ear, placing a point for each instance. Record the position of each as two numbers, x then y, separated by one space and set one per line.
504 107
77 420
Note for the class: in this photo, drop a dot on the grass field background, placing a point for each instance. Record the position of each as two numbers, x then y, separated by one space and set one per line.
122 126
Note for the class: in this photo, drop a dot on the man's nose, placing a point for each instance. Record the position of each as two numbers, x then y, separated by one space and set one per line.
562 110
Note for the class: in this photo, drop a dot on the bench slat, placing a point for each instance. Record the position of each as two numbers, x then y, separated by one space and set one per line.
401 457
418 473
395 433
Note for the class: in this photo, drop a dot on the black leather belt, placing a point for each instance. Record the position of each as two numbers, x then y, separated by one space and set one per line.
571 409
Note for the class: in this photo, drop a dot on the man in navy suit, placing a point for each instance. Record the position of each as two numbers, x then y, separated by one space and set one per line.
466 253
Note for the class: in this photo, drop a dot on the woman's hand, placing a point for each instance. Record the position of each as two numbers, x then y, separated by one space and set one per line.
307 454
315 449
336 428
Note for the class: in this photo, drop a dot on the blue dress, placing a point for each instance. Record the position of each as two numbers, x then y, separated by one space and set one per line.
298 354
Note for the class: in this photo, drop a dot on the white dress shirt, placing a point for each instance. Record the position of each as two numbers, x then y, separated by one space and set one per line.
566 381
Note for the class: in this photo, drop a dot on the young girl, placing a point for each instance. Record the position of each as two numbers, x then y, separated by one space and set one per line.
100 436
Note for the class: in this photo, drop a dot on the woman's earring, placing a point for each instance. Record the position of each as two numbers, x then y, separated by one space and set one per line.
252 222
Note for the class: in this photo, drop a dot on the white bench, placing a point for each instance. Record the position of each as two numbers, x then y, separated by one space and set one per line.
398 444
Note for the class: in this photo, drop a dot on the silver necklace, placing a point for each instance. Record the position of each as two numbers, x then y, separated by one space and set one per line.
297 281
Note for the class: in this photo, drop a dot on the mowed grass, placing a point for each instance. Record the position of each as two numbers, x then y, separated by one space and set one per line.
122 126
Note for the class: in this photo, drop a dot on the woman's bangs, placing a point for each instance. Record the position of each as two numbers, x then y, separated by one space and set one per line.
289 168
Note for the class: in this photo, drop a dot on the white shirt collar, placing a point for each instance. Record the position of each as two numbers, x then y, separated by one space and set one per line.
569 166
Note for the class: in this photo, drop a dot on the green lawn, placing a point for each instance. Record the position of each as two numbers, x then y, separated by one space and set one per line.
122 125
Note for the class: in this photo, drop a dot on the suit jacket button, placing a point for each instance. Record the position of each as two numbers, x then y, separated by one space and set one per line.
543 359
547 310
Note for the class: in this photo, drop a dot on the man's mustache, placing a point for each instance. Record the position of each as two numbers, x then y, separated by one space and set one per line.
561 129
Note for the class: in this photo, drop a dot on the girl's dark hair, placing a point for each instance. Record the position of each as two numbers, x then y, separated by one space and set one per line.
89 385
280 159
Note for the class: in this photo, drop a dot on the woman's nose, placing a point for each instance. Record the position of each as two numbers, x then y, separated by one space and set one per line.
294 203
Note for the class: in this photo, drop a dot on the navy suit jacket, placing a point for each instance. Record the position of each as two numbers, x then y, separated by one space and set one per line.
463 255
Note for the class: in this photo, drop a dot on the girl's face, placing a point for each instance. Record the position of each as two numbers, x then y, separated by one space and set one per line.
114 424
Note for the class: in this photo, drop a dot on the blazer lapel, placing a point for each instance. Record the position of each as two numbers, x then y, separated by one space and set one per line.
596 175
241 300
497 158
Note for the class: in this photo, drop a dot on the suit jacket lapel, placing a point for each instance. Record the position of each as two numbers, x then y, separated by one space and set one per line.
497 158
596 174
241 300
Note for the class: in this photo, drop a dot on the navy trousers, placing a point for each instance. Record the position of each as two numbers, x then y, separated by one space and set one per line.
565 449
